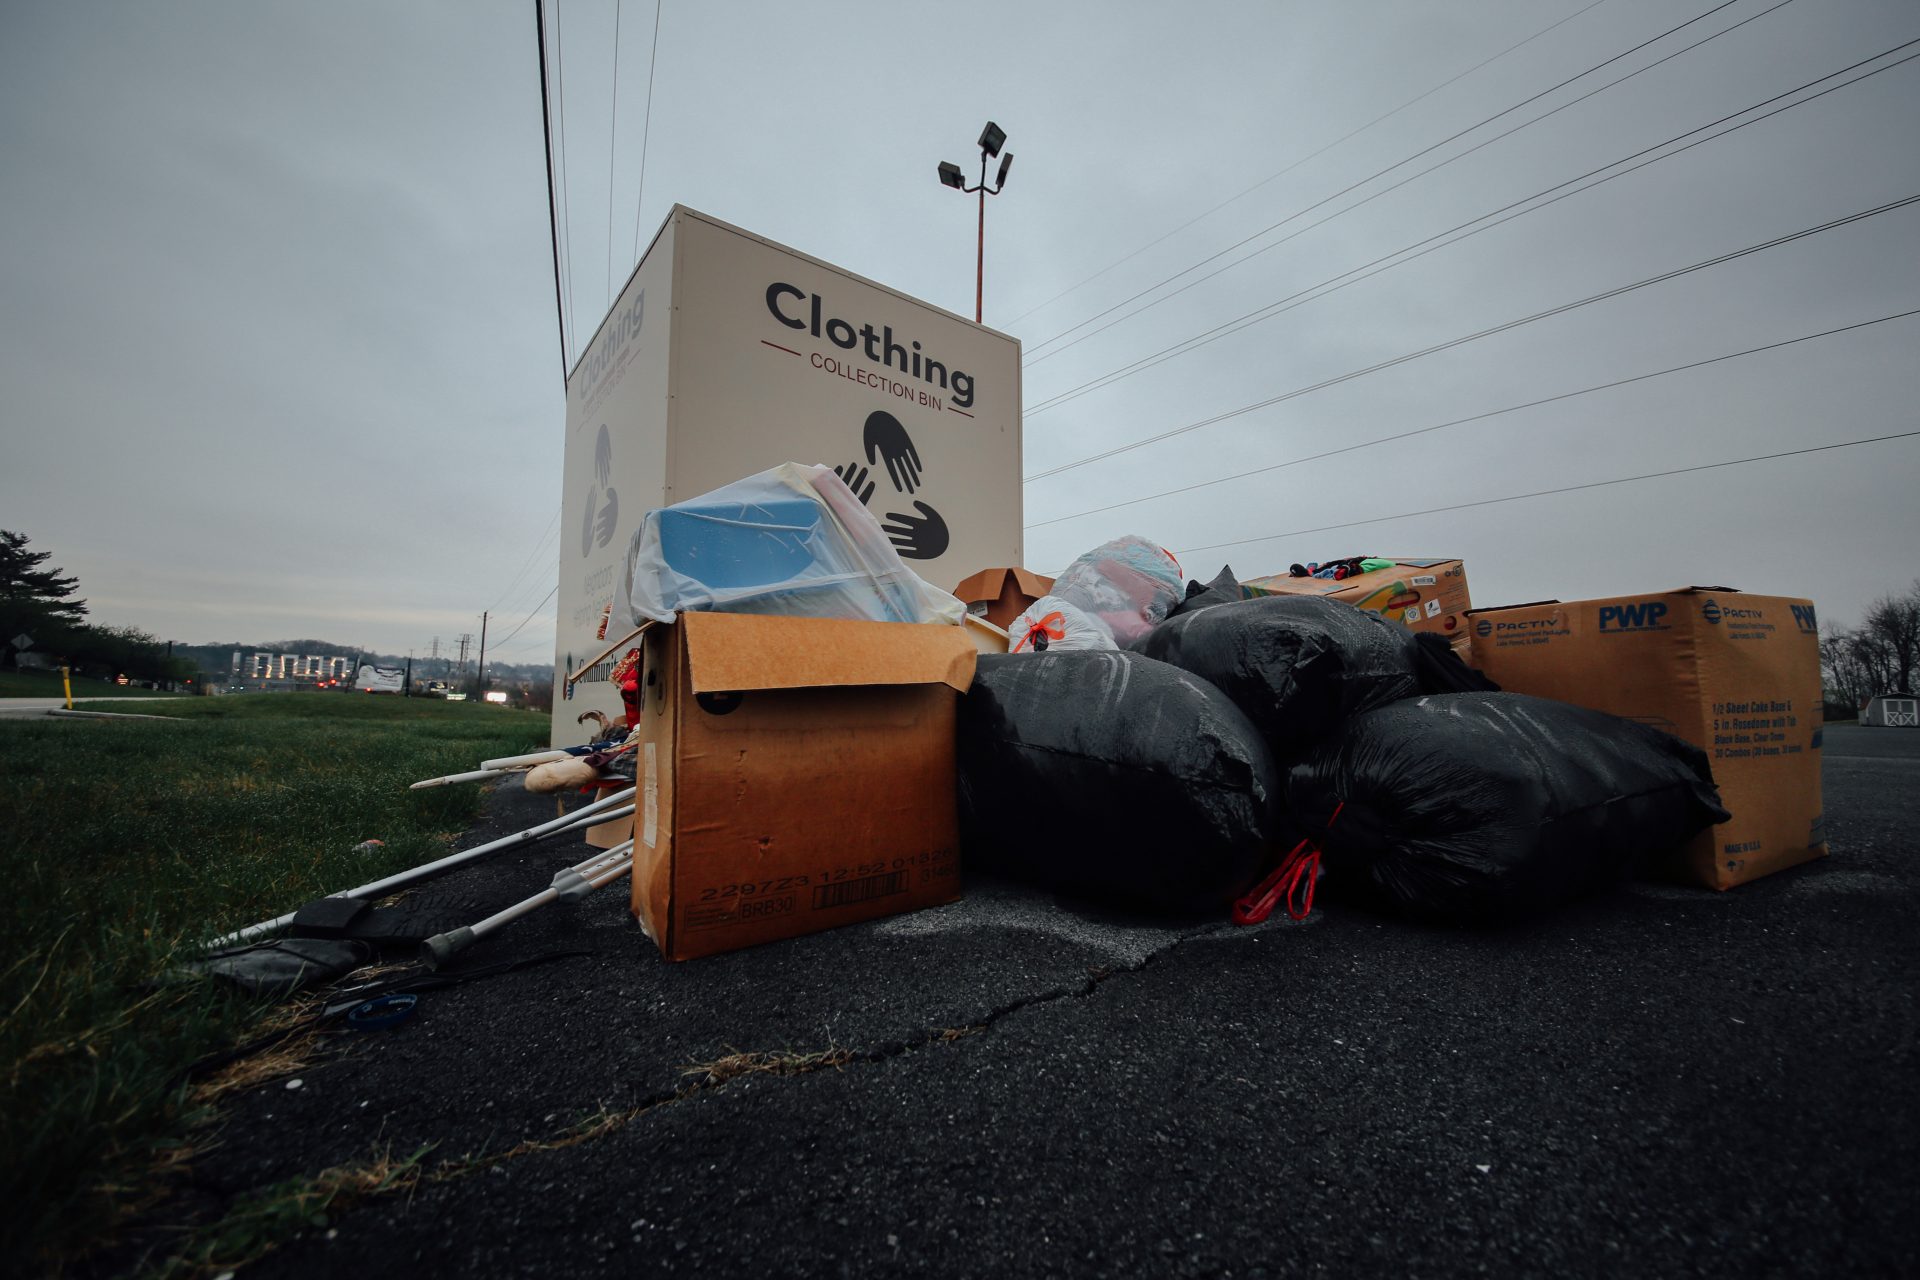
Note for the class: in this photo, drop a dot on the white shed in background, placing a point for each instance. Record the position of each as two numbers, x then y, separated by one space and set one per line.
1892 711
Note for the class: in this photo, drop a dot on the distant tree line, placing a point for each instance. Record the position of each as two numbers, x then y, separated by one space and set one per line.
1879 656
43 605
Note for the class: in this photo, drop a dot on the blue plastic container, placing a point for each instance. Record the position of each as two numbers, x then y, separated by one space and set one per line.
730 544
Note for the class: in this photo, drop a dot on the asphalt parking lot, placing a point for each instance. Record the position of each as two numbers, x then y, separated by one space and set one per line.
1663 1080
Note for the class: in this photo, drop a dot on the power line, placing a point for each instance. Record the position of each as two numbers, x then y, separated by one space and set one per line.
1478 417
1346 137
553 220
1564 307
514 606
560 127
613 136
539 546
1380 174
529 618
525 646
512 599
1368 199
646 129
1353 275
1570 488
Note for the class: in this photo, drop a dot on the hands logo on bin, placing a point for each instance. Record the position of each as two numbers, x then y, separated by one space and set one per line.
885 435
855 477
609 518
603 516
921 537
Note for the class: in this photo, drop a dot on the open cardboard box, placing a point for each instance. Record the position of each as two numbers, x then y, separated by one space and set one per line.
1737 675
793 774
1423 595
1001 595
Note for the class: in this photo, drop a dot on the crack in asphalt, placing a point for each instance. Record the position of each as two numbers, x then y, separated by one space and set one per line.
715 1076
723 1071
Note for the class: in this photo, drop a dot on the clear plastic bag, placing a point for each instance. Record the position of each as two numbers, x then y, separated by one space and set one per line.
1129 584
793 540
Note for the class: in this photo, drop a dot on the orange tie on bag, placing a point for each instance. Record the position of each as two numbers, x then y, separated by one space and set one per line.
1054 624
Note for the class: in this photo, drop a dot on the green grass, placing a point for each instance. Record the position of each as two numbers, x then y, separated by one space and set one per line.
123 844
44 684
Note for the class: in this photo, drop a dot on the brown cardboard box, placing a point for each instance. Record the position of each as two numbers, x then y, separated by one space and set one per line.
794 774
1001 595
1426 595
1736 675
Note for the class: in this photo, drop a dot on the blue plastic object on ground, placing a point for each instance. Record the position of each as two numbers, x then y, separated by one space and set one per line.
381 1012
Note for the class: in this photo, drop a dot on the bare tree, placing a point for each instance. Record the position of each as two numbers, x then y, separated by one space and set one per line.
1880 656
1894 624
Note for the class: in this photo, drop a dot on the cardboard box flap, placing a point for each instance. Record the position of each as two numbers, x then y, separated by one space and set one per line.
1496 608
1722 590
738 651
989 583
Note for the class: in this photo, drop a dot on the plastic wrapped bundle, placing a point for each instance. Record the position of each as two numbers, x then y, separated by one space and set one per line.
1480 808
1129 584
1051 624
1297 665
793 540
1112 776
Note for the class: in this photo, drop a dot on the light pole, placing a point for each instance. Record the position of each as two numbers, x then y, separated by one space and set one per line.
992 138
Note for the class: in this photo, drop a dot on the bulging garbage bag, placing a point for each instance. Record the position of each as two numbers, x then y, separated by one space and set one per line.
1224 589
792 540
1129 584
1113 776
1051 623
1488 807
1297 665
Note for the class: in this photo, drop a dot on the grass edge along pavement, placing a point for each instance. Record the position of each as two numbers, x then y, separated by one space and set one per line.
125 845
47 684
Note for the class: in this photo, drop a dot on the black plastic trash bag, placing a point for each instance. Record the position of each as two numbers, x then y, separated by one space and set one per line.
1487 807
1297 665
1113 776
1440 670
280 967
1224 589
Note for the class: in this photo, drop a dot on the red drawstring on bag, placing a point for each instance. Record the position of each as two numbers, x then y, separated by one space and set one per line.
1301 865
1054 625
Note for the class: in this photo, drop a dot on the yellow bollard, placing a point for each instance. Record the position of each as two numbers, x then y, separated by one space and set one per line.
66 683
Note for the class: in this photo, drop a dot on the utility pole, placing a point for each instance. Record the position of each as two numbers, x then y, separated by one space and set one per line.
480 681
466 638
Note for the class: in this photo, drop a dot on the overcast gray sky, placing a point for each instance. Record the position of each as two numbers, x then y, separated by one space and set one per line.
279 355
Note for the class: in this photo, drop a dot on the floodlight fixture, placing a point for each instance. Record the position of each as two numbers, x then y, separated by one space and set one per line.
992 139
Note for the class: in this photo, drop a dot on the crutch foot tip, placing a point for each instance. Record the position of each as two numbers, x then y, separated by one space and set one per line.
441 948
